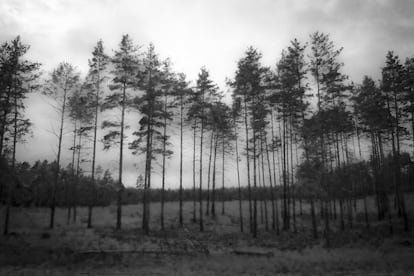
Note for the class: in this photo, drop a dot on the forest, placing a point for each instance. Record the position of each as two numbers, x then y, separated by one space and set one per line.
312 151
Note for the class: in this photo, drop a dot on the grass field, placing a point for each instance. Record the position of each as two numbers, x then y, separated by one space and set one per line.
221 249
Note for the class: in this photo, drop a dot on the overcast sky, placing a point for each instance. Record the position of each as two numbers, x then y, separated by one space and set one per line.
194 33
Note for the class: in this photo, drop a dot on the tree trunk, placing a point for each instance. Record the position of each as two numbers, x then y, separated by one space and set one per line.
200 193
57 169
181 161
366 212
260 191
121 152
147 185
163 162
194 173
4 120
255 187
397 164
274 208
222 177
238 178
327 230
292 184
350 215
286 222
263 182
209 174
341 214
69 205
248 167
95 130
149 198
412 121
274 173
314 227
13 171
213 190
375 173
79 147
2 133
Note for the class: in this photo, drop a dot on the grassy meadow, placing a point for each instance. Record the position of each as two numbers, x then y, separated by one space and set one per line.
34 249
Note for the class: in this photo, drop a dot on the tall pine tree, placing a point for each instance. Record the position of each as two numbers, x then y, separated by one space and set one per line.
125 69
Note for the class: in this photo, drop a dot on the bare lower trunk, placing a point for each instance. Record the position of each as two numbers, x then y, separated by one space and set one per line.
246 127
286 221
181 162
147 194
366 212
274 174
13 172
95 129
222 179
3 120
238 180
263 182
341 214
121 152
69 204
200 193
350 215
213 190
327 230
314 226
274 208
79 147
255 187
57 169
260 192
209 173
292 184
164 144
194 174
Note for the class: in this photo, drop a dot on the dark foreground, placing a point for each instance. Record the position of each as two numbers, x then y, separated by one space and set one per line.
32 249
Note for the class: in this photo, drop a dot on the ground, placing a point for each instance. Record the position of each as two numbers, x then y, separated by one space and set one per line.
33 249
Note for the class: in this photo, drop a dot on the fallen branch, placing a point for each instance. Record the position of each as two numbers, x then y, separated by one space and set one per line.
253 253
144 251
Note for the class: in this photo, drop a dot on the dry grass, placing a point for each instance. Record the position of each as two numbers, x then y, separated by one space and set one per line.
36 250
32 219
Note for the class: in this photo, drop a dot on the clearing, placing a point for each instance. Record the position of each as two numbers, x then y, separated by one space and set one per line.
33 249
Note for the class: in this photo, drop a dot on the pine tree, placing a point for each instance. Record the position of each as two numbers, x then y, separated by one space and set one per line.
181 93
236 109
408 86
96 77
392 86
247 85
18 79
288 99
205 91
81 114
126 64
151 106
219 122
63 82
371 112
331 94
225 131
168 85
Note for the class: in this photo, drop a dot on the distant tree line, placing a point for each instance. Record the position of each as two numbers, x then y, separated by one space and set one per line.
299 130
34 188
